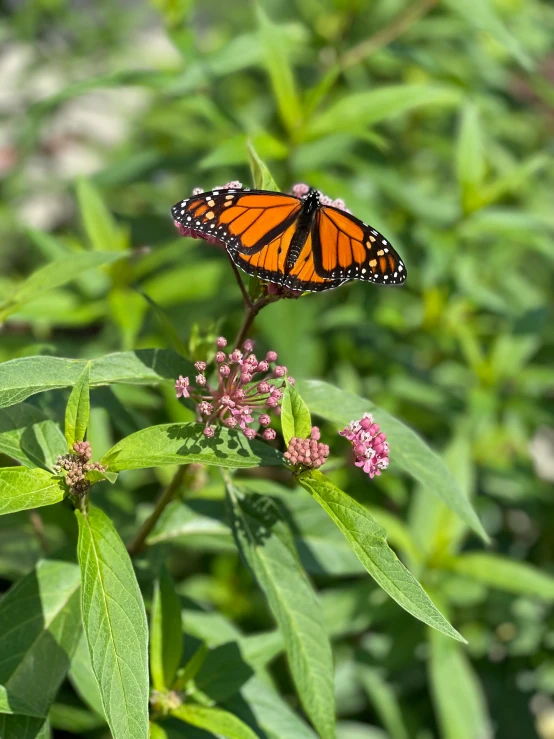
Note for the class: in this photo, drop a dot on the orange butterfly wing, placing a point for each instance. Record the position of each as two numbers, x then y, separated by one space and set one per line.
243 220
346 248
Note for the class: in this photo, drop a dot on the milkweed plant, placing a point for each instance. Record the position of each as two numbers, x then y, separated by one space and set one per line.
108 613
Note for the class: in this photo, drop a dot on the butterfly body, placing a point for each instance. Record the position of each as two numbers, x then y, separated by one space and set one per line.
298 243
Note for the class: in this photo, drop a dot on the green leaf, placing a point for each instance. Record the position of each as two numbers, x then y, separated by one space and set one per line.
355 111
54 274
368 541
261 176
102 230
30 437
22 488
82 677
295 416
261 706
115 625
470 160
504 574
23 727
224 671
166 635
266 543
280 71
21 378
457 695
384 700
181 443
481 14
214 720
74 719
77 411
40 626
167 327
408 450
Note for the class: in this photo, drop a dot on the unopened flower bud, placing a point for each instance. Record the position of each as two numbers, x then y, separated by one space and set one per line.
263 366
269 434
271 357
279 371
221 342
209 431
248 345
224 370
200 380
249 433
200 366
265 420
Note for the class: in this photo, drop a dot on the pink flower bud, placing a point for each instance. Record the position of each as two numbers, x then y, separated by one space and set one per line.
248 345
230 422
225 370
265 420
246 377
271 357
269 434
221 342
264 387
276 393
291 380
209 431
205 408
272 402
240 394
200 380
200 366
220 357
249 433
315 433
279 371
235 356
366 422
263 366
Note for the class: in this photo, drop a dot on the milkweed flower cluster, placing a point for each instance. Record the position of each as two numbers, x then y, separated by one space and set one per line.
301 189
369 445
248 390
309 453
76 466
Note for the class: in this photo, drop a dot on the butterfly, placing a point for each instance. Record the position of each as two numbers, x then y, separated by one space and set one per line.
296 242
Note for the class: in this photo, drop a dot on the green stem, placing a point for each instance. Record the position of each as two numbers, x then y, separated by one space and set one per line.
398 26
139 542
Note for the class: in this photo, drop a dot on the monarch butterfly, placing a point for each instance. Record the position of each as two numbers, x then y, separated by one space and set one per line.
296 242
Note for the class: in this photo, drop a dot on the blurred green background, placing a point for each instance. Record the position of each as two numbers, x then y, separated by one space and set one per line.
434 122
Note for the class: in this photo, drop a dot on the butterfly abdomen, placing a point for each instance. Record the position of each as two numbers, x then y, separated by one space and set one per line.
303 228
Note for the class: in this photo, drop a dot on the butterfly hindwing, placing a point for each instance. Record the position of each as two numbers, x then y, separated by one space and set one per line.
346 248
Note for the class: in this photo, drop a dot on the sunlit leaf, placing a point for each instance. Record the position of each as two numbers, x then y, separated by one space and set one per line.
265 542
295 415
40 625
165 632
77 411
22 488
181 443
368 541
115 625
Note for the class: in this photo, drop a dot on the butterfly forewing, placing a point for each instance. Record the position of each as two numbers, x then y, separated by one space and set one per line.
345 248
243 220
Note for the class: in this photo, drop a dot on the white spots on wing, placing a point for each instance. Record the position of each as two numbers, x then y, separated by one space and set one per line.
385 250
400 267
364 270
385 241
189 218
216 192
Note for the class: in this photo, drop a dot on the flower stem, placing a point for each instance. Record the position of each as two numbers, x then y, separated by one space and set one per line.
245 296
401 23
138 543
252 311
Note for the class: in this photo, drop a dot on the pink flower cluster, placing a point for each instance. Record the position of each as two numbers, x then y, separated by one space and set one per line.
301 189
242 390
307 452
371 451
76 466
